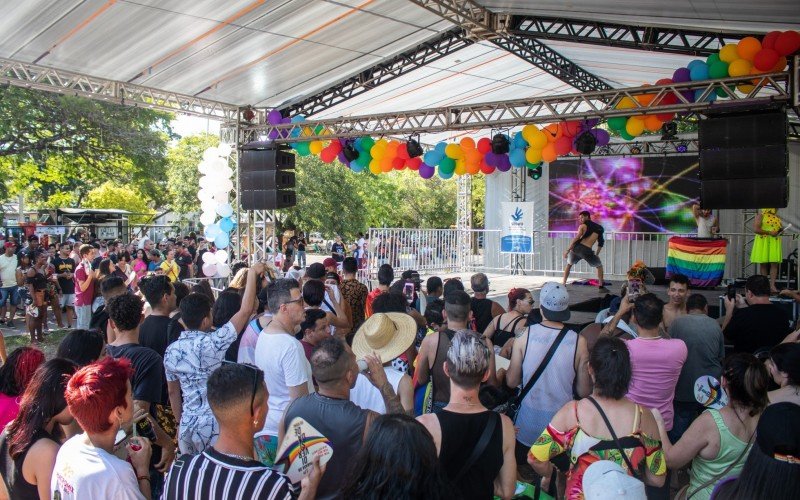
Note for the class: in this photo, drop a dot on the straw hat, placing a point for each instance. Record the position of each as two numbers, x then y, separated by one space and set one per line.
387 334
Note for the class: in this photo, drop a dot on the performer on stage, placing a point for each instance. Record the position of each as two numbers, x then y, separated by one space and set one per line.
589 233
767 250
707 222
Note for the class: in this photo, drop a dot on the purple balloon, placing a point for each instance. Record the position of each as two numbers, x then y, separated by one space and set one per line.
285 121
503 163
681 75
273 134
589 123
602 136
491 159
688 95
342 159
274 117
426 171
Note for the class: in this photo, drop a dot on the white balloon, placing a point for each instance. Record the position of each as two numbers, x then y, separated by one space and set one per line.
205 194
221 256
209 258
221 197
208 205
207 182
223 270
219 164
225 185
209 269
224 149
204 167
225 172
224 210
207 218
210 154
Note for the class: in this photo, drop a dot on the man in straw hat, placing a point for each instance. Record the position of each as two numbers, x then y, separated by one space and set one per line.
388 335
331 412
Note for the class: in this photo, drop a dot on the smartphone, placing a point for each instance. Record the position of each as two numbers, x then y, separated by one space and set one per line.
731 293
634 289
408 291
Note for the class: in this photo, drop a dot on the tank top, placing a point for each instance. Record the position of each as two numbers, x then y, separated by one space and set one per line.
460 433
554 387
503 335
11 469
482 312
730 448
441 382
342 422
368 397
704 225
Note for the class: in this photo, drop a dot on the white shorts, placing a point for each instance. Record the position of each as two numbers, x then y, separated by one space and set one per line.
67 300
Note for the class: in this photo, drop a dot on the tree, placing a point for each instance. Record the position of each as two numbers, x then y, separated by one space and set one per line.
110 195
56 144
182 175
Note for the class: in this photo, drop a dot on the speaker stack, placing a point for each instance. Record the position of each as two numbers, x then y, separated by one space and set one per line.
266 177
744 158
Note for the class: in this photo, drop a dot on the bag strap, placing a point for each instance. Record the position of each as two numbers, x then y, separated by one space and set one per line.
480 446
544 363
724 473
614 435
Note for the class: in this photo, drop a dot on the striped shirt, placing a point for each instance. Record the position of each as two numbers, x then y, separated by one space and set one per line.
211 475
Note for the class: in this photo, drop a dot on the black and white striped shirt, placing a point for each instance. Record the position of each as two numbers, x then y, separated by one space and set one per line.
213 476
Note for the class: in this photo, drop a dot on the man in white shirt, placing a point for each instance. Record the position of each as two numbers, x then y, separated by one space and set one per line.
280 356
8 284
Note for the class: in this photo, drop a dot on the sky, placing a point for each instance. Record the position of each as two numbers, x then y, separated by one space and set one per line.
188 125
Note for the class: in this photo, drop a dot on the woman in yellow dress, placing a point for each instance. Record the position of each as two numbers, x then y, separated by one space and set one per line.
767 250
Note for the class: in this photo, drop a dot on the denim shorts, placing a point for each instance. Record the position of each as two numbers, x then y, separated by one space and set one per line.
9 294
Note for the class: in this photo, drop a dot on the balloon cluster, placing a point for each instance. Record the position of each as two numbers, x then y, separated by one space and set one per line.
749 56
215 187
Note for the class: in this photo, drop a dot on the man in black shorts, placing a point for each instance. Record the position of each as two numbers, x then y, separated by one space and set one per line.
589 233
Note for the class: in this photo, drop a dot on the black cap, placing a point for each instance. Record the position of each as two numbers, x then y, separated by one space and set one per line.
315 271
778 432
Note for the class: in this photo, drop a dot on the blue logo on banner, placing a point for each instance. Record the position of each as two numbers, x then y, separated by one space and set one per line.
516 243
517 216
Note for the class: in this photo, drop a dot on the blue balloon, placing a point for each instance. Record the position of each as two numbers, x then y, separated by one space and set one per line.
298 118
222 240
211 231
430 157
696 62
440 149
355 167
519 141
709 98
698 71
517 157
226 225
445 174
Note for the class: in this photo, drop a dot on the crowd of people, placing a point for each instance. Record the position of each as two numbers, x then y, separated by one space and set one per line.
422 390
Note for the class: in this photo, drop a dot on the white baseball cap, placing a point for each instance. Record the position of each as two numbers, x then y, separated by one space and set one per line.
554 301
605 479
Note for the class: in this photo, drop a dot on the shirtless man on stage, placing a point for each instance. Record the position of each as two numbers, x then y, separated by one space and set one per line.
589 233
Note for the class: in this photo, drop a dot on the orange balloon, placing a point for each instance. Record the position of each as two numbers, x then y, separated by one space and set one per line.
549 153
781 64
473 168
467 143
645 99
652 123
745 89
553 132
386 164
748 47
391 149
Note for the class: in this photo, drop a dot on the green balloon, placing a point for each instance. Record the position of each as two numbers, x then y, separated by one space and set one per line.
303 148
367 142
447 165
718 70
625 135
533 165
721 92
713 58
618 122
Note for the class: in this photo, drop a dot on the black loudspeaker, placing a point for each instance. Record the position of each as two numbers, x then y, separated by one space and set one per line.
744 159
266 177
660 275
267 200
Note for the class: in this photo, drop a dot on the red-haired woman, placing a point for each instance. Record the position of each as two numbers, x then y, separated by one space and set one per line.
99 397
14 378
28 446
505 327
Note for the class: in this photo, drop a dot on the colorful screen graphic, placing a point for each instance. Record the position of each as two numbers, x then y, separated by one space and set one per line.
635 194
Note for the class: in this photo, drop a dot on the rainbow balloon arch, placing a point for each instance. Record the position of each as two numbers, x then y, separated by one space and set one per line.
533 146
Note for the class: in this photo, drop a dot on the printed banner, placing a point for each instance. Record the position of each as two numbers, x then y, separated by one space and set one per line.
516 235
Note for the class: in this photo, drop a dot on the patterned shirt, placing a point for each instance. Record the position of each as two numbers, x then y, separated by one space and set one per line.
355 293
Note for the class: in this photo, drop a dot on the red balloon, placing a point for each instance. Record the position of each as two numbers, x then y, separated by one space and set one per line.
768 42
486 169
787 43
666 117
485 145
398 163
571 128
664 81
327 155
765 59
563 145
336 147
414 163
402 151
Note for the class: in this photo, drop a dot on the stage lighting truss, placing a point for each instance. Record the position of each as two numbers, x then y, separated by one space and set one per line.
682 147
635 149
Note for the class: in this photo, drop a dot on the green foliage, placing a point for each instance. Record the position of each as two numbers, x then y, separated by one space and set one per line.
332 199
110 195
182 175
62 147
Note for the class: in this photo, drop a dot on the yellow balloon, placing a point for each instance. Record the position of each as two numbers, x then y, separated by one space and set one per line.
626 103
454 151
461 167
533 155
634 126
728 53
745 89
739 67
306 132
375 167
538 139
315 147
528 132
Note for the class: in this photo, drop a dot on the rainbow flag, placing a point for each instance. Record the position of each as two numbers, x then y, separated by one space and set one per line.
702 260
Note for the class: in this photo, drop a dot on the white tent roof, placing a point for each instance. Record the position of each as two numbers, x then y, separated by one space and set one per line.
271 53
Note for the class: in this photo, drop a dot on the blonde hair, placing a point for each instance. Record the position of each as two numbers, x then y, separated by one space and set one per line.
467 359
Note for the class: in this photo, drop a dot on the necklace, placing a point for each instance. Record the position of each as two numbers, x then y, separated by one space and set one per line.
649 338
233 455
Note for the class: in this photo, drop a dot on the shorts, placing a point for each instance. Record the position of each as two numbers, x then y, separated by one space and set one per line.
266 448
67 300
582 252
10 295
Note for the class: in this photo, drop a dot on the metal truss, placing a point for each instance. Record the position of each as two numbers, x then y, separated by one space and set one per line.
676 146
386 71
37 77
483 24
464 220
764 89
673 40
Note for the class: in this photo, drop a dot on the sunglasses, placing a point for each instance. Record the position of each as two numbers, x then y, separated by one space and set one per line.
258 376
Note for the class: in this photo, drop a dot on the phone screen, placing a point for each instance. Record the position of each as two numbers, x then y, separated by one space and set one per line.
634 289
408 291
